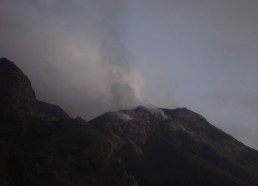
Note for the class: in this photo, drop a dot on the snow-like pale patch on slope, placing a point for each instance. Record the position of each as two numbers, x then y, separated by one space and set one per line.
158 113
123 116
151 112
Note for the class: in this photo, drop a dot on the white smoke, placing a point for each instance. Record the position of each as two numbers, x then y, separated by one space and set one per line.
73 51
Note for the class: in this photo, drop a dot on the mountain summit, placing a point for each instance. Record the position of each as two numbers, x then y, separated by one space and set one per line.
143 146
177 146
17 98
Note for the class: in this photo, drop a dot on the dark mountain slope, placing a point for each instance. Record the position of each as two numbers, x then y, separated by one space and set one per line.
51 112
41 145
178 146
17 96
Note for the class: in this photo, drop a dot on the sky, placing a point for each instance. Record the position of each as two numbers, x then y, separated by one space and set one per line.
93 56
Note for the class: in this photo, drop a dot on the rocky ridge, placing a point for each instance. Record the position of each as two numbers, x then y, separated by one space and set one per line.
41 145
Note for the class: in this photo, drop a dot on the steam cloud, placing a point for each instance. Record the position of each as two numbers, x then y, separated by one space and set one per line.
73 51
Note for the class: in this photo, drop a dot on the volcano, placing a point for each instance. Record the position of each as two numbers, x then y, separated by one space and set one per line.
145 146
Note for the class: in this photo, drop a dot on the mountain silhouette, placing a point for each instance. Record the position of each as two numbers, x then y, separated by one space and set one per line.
145 146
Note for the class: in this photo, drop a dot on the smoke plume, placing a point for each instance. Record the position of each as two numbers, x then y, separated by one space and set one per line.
73 51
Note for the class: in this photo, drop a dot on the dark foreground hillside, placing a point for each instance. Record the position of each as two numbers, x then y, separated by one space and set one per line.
40 145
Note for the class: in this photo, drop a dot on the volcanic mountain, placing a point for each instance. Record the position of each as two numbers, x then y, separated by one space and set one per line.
173 147
41 145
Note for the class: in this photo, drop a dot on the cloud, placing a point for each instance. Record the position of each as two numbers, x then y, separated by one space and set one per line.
73 52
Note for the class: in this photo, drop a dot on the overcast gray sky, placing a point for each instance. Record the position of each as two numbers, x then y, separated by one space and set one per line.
91 56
